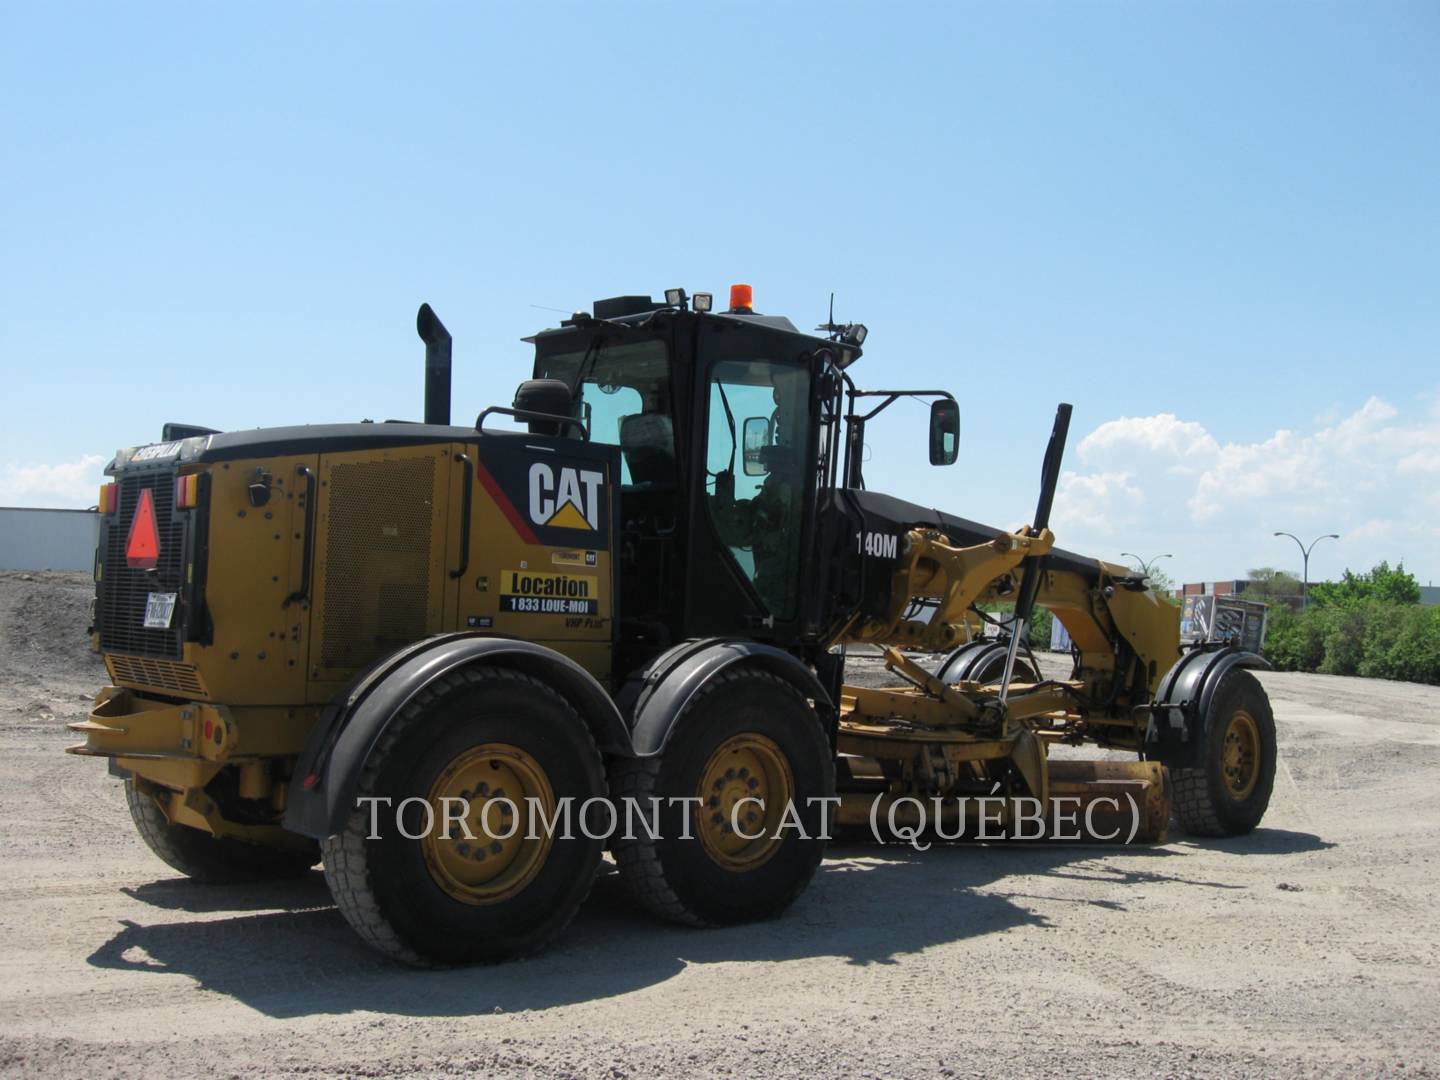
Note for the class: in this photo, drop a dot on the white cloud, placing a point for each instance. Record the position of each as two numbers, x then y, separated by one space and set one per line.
1156 481
69 484
1098 500
1162 434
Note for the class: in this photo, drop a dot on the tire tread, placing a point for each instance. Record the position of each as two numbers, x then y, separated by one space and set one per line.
348 871
641 869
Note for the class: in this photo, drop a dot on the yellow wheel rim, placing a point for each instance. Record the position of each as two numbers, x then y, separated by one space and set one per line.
488 787
746 782
1240 755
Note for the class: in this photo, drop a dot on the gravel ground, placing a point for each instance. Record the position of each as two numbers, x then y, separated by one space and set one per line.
1308 948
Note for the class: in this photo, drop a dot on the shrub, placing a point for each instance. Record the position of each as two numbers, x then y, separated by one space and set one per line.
1415 648
1294 641
1370 638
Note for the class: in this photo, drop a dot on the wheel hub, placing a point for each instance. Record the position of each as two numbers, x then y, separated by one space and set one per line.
1240 755
488 788
746 783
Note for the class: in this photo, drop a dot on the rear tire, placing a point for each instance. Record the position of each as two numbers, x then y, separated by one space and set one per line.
214 860
446 899
744 733
1229 795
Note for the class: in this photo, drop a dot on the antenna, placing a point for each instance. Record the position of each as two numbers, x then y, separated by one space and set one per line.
829 327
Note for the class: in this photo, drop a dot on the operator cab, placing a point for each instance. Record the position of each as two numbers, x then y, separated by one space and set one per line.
715 421
729 431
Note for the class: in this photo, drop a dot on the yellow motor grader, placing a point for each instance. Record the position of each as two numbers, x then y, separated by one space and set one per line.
629 595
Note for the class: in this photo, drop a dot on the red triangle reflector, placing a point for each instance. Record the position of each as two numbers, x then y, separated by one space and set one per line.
142 549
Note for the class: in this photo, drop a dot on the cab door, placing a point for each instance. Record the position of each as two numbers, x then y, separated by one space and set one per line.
756 490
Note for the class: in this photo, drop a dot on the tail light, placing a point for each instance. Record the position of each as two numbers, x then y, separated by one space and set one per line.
187 492
109 498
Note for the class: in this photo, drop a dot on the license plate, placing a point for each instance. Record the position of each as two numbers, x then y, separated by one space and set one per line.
159 610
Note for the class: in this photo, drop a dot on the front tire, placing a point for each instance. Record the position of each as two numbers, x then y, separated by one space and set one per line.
1229 795
213 860
746 735
492 739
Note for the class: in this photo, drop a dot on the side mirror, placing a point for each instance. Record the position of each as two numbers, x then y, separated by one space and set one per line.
758 436
944 431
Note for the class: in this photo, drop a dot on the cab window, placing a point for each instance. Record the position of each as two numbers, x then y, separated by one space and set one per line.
757 431
625 401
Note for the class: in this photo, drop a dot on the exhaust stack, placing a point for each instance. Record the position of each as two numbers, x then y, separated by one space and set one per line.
437 365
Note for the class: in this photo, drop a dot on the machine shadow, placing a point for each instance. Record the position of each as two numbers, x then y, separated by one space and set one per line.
1271 842
292 954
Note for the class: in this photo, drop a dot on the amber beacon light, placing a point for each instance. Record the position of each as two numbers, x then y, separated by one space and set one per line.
742 299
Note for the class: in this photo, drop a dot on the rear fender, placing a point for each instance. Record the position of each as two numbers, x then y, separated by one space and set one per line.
656 697
328 771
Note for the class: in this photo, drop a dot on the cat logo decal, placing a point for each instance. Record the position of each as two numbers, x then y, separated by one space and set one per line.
565 498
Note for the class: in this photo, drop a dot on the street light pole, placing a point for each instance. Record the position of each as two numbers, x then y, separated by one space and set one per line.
1144 566
1305 559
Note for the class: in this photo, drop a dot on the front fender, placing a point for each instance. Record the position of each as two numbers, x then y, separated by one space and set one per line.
1176 732
965 662
328 771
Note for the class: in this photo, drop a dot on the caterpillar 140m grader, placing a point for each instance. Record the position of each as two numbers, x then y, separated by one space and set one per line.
382 645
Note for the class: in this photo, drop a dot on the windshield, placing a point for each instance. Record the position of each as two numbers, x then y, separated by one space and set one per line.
624 401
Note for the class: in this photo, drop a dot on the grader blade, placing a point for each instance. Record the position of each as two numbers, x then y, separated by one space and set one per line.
1089 802
1115 797
961 784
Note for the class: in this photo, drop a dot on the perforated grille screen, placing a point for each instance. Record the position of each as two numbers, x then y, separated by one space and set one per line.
123 592
377 558
161 674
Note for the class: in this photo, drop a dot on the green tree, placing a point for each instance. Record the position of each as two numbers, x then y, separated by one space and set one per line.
1379 583
1163 584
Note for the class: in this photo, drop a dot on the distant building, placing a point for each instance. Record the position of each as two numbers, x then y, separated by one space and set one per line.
35 539
1430 594
1212 588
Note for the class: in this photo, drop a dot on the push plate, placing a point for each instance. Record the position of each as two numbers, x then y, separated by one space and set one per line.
159 610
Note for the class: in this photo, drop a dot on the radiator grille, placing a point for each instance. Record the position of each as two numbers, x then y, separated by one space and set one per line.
157 674
377 558
123 591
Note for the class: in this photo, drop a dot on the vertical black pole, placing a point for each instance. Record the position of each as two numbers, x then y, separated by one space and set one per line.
1034 566
437 365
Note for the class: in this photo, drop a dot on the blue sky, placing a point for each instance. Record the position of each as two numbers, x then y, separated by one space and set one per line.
1212 227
